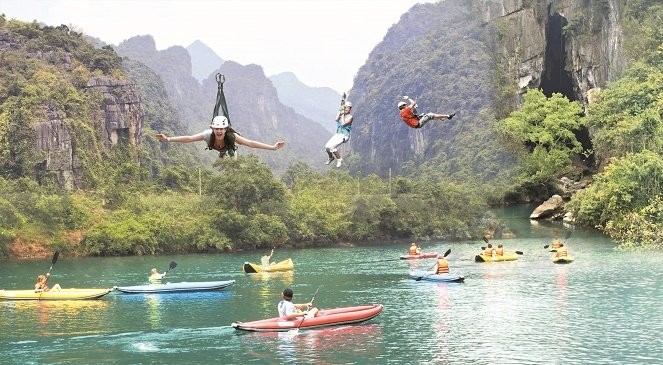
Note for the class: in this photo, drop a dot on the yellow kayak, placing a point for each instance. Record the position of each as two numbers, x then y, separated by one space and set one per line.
62 294
508 256
285 265
563 260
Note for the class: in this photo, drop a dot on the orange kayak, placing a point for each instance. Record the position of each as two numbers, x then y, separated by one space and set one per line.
324 318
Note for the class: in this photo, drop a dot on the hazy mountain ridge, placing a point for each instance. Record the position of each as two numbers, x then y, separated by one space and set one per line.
317 103
203 60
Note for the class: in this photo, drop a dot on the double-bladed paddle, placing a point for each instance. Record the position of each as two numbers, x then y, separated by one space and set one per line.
445 255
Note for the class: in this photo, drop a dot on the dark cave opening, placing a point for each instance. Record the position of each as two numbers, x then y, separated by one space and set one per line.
555 78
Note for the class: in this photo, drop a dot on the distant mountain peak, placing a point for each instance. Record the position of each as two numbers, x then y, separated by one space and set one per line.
204 60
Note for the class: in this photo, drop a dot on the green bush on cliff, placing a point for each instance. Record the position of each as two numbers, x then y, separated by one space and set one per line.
621 197
542 134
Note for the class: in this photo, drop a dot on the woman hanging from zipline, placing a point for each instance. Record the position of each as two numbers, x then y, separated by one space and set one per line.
221 136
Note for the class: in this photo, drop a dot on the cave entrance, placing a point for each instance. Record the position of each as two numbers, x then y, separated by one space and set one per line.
555 78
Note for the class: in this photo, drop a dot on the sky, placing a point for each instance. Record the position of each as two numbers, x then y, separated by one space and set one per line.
323 42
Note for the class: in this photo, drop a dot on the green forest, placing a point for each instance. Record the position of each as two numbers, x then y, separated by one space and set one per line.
143 200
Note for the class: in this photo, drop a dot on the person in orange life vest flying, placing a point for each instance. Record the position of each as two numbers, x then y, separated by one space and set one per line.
221 137
499 251
343 128
414 120
442 265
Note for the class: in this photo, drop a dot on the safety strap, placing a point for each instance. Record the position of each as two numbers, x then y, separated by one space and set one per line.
221 99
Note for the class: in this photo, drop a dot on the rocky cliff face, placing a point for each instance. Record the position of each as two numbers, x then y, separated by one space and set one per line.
120 116
564 46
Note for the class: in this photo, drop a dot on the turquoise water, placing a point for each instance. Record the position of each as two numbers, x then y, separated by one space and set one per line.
603 308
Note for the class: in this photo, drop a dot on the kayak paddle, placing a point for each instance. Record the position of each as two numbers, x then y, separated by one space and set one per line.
48 274
445 255
53 261
304 317
316 293
172 265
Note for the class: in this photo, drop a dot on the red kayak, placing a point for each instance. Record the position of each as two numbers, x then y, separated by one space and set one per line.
423 255
324 318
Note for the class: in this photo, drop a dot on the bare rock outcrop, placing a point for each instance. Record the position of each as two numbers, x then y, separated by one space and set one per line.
552 208
121 122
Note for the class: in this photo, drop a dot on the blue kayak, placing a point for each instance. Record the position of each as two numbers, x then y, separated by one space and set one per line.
176 287
428 276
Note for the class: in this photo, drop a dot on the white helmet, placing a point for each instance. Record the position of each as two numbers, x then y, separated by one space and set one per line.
348 104
219 122
401 104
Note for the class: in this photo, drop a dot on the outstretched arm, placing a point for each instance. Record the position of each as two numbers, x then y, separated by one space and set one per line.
413 104
182 139
254 144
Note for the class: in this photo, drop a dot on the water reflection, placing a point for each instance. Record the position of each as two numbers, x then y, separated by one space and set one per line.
330 345
56 317
154 313
286 277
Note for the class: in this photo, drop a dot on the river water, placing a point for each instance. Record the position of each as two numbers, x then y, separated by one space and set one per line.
604 308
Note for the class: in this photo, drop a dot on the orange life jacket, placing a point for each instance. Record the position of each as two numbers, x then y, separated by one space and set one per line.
409 117
442 266
561 252
489 251
413 250
499 251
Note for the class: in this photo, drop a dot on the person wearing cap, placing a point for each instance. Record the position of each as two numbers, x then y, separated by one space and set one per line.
414 120
221 137
288 310
343 128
